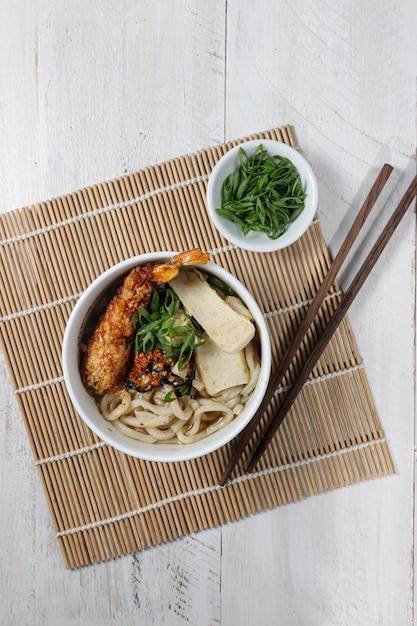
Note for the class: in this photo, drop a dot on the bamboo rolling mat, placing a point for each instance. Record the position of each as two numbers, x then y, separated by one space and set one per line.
103 503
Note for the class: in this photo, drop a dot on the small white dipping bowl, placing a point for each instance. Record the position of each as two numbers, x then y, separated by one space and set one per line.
255 241
85 313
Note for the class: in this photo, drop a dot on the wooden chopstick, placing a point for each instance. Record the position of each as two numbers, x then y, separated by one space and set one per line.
334 322
312 311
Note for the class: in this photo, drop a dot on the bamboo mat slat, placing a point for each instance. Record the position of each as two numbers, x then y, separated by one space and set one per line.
104 504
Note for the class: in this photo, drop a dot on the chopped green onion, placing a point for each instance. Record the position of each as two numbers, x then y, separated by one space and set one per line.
263 194
157 327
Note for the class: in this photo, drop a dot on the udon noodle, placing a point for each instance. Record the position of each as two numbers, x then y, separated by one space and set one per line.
145 416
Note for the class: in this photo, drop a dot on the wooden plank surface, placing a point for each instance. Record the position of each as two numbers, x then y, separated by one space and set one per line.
90 91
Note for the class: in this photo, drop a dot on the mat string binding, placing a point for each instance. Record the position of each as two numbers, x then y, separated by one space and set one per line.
211 488
105 209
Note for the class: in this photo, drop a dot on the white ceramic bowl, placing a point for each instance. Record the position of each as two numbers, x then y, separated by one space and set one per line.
255 241
97 295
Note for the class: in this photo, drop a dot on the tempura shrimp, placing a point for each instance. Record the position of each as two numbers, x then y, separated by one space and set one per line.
108 350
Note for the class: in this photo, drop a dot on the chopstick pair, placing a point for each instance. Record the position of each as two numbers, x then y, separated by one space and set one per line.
332 325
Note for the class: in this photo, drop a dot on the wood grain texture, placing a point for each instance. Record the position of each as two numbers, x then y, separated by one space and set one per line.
90 90
326 75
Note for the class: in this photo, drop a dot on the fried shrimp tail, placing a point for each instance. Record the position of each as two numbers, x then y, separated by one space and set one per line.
167 271
108 350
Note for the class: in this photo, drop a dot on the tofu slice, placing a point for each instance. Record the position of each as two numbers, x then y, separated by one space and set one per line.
230 330
237 305
219 370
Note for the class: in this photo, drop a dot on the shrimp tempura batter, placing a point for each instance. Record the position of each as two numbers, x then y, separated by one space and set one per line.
108 348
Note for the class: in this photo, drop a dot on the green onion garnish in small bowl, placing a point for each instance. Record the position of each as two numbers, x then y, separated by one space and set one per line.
262 195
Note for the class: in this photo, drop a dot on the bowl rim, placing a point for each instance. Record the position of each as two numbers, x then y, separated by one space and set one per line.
83 402
259 242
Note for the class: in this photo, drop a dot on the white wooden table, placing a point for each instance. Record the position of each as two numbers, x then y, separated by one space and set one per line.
93 89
